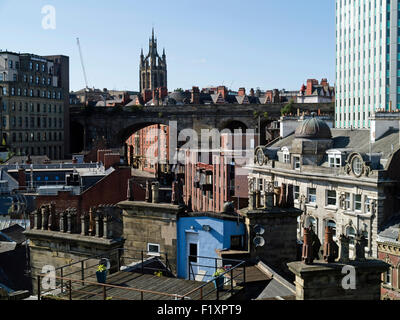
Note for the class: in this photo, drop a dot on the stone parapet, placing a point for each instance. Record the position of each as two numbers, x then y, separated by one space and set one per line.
324 281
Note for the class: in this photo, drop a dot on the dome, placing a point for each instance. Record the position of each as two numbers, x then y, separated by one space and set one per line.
314 128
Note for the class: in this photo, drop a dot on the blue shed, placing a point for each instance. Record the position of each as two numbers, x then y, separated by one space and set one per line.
199 235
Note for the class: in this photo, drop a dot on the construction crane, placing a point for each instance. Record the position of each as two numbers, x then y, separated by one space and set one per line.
83 65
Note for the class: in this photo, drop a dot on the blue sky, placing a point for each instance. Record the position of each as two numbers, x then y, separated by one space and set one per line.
255 43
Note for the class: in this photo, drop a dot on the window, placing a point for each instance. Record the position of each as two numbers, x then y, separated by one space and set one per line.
347 203
367 205
153 249
296 191
260 184
388 277
311 222
331 198
357 166
332 224
286 157
351 233
335 160
357 202
296 163
312 195
236 242
193 252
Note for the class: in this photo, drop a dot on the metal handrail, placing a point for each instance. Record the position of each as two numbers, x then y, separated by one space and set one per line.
207 283
111 286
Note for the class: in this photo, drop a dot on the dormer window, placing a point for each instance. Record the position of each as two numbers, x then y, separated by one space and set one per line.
286 155
335 159
297 164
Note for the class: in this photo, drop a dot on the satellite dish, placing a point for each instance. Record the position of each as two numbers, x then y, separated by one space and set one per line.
105 262
259 242
259 230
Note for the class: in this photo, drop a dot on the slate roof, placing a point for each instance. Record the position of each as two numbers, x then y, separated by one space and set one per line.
23 159
14 234
356 141
391 232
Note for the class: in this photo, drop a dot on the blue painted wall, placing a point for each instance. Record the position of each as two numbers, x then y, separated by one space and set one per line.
219 237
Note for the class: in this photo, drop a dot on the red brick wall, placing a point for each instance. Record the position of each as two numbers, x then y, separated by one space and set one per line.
394 261
100 155
110 190
63 201
111 159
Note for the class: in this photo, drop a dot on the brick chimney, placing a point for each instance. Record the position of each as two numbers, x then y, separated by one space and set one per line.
21 179
223 91
310 87
242 92
147 96
329 250
163 92
111 159
251 92
195 99
307 256
324 82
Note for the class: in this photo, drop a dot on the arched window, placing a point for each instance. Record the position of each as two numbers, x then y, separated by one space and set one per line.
311 222
332 224
286 155
351 233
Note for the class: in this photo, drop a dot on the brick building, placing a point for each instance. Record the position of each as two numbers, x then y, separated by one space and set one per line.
34 92
389 252
109 190
209 185
148 149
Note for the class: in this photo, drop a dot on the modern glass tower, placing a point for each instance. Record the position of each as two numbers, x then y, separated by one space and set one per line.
367 60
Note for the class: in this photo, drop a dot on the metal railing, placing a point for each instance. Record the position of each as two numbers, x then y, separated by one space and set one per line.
76 277
70 290
84 271
233 275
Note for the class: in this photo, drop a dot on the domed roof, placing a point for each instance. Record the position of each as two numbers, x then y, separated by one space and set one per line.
314 128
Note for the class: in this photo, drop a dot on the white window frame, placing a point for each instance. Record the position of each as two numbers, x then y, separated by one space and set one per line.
297 162
367 205
309 194
328 197
334 228
335 159
296 193
155 254
356 202
286 155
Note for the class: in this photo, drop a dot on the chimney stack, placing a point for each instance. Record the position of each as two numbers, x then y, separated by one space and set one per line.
329 251
21 179
242 92
155 188
307 256
195 99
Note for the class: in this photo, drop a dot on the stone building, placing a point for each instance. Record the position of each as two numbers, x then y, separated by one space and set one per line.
344 179
153 68
34 92
389 252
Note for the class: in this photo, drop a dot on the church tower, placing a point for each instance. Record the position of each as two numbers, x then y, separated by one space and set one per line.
153 68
